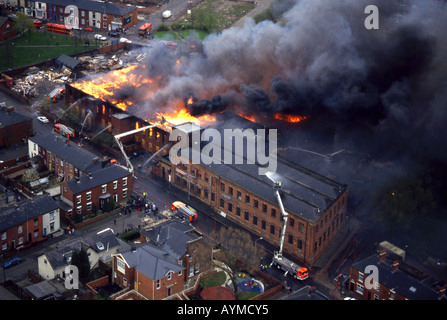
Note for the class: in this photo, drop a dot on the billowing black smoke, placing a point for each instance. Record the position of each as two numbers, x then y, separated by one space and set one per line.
318 60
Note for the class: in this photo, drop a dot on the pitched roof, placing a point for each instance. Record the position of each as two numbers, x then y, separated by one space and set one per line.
68 61
152 261
68 151
97 178
172 236
59 257
26 210
8 118
399 281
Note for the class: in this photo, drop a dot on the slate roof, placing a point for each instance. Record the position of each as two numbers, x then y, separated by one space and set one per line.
9 118
58 257
172 236
68 61
304 193
69 151
400 281
97 178
26 210
152 261
108 8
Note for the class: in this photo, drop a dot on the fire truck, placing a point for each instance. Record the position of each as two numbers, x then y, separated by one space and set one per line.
145 29
63 130
59 28
184 211
38 24
57 94
281 262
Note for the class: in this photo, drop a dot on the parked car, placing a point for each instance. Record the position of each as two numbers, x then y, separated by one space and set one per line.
125 40
89 29
12 262
100 37
114 34
43 119
167 14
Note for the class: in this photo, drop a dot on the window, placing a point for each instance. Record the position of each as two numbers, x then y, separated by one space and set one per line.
158 284
36 233
272 229
104 188
290 239
360 277
264 207
238 211
169 275
292 222
125 181
264 225
273 212
359 289
222 187
255 220
79 210
36 222
213 196
222 203
4 235
89 196
20 229
125 282
230 191
301 227
255 203
230 207
239 195
52 216
300 244
4 246
247 199
89 206
125 193
246 215
78 199
120 266
392 295
115 184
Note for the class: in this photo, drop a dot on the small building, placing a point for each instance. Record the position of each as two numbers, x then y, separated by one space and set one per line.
390 282
181 240
97 190
14 127
100 246
28 222
63 157
150 271
6 29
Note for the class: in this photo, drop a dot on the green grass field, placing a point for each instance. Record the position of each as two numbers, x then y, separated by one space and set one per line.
39 46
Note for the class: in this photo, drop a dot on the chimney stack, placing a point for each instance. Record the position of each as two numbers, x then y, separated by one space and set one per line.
382 255
395 265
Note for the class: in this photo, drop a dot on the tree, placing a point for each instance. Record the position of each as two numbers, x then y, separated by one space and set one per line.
30 175
80 259
403 201
237 253
23 22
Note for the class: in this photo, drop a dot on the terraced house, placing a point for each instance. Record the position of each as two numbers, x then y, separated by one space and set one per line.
103 15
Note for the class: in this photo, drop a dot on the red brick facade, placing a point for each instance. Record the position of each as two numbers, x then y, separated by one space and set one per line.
22 234
304 240
160 289
84 202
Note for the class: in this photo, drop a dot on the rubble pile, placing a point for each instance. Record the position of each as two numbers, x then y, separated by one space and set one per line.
26 84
